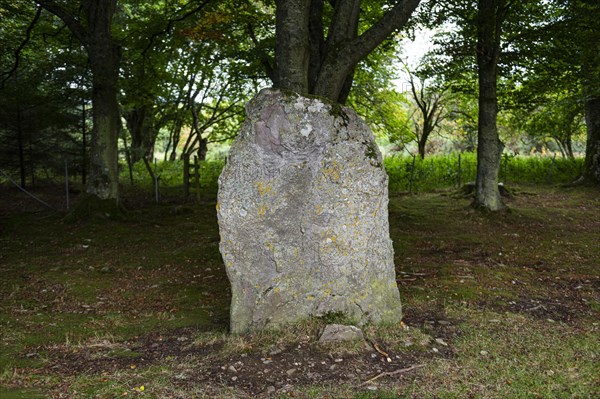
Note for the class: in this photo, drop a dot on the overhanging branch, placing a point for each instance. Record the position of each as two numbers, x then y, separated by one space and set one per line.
22 46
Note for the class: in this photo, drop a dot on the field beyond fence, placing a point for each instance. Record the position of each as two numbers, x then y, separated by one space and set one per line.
406 174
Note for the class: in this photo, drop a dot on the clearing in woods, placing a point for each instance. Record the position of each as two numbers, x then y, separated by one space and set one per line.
496 306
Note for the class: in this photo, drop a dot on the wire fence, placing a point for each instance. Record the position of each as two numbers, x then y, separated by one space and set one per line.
192 178
188 178
413 174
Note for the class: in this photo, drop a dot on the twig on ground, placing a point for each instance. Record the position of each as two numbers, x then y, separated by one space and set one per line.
391 373
387 357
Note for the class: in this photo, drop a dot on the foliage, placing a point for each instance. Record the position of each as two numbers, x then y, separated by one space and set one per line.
40 122
442 171
170 174
437 172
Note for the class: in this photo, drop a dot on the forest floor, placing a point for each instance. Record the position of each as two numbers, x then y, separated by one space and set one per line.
496 306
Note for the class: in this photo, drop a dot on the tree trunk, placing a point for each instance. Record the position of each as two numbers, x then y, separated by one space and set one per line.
591 166
104 176
94 33
307 64
489 147
143 134
202 148
21 150
421 144
292 47
83 144
104 56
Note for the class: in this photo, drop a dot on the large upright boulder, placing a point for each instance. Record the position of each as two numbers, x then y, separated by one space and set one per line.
303 216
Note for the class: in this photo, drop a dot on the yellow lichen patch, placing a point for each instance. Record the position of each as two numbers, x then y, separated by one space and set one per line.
332 172
262 210
318 209
263 188
218 206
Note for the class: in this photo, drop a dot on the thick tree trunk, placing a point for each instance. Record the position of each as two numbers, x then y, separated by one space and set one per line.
94 33
489 147
103 176
103 179
292 47
104 57
591 168
307 64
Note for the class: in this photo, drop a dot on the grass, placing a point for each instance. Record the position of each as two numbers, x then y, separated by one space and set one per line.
436 172
496 306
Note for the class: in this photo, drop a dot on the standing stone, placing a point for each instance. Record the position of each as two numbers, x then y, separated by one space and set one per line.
303 216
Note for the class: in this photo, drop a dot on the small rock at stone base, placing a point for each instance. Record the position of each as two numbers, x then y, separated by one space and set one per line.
339 332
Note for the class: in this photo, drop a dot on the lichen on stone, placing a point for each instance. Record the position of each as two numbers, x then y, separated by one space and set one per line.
303 227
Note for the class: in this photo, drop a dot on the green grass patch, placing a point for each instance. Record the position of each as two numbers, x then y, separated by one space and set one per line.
512 356
514 296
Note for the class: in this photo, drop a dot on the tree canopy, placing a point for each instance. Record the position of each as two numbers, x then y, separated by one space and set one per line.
125 81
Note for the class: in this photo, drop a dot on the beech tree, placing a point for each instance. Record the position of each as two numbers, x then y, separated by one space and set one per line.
579 44
486 46
92 27
491 15
310 59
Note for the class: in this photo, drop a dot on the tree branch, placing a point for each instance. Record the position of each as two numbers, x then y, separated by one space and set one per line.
264 58
74 25
394 19
21 46
172 22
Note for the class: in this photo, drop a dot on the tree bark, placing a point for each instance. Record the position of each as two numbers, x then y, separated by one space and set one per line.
307 64
140 123
591 167
489 147
20 146
292 46
104 55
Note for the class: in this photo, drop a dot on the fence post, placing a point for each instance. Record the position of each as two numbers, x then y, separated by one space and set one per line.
551 170
197 176
186 175
156 182
412 174
504 165
459 174
67 182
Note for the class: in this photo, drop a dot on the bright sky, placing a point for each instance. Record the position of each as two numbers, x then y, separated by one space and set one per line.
412 52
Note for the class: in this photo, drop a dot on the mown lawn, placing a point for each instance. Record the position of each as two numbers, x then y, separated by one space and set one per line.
496 306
